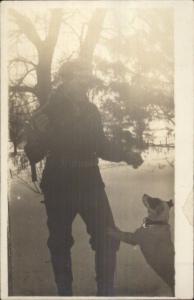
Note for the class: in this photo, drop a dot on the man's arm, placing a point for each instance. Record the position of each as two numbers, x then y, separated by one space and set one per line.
111 151
36 147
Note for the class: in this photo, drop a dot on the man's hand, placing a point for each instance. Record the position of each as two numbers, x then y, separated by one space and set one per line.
134 159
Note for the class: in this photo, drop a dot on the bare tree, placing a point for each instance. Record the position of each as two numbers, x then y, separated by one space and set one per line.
45 49
137 78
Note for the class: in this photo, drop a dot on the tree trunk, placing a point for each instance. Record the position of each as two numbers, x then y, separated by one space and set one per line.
45 49
93 35
43 86
45 52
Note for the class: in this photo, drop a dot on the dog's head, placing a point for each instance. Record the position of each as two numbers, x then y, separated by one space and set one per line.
158 210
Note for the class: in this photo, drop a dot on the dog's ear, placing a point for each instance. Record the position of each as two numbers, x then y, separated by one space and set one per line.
170 203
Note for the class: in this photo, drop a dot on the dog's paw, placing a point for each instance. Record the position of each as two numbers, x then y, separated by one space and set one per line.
112 231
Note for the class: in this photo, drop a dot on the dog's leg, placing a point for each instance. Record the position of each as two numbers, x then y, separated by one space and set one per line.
126 237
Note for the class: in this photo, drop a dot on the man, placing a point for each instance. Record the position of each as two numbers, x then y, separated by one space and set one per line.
70 134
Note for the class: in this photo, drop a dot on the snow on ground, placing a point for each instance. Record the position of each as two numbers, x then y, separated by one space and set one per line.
30 267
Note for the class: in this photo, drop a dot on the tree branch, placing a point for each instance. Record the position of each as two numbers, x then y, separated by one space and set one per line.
93 34
22 60
45 53
160 145
73 30
20 81
22 89
27 27
54 27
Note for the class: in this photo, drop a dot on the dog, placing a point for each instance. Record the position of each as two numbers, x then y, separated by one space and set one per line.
154 238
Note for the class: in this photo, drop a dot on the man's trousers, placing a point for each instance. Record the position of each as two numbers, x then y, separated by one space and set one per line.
93 207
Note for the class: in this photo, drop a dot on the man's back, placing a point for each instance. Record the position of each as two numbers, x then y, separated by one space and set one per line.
73 129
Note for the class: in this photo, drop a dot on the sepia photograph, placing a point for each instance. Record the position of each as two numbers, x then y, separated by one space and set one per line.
90 149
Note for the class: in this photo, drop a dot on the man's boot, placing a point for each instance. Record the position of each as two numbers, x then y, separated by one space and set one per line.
105 271
63 274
